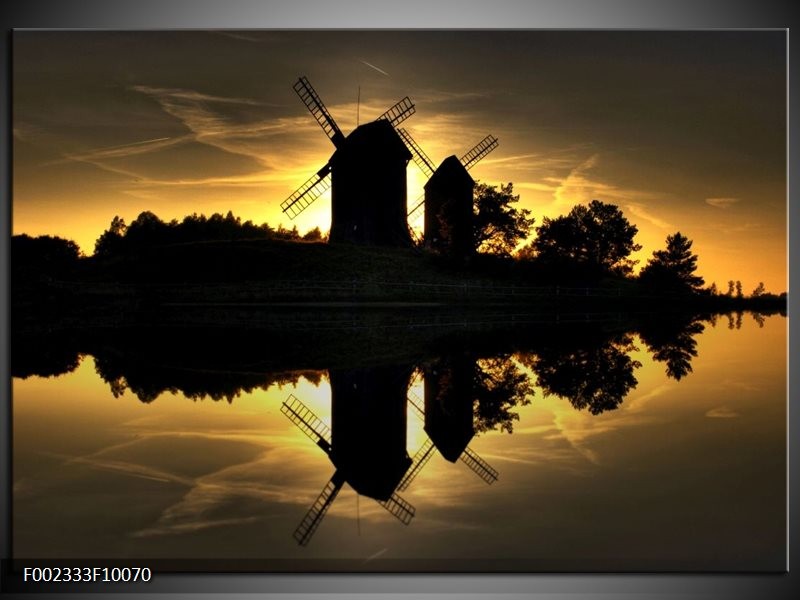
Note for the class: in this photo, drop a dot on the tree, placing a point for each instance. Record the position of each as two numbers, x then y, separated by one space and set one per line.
597 235
497 226
738 289
45 254
673 268
760 290
110 241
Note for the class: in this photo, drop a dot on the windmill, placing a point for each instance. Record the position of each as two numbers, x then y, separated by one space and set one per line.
467 455
448 194
366 441
366 174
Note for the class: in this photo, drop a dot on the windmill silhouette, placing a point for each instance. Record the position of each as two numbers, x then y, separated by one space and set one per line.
366 441
448 195
367 174
442 440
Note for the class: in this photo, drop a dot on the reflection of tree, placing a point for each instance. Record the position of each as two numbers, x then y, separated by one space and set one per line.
499 386
46 360
148 381
597 376
672 342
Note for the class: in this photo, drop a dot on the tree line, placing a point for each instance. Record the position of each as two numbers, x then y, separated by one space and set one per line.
588 244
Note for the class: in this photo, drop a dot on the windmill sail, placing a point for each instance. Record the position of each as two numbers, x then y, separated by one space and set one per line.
309 423
303 196
480 150
399 112
417 207
314 516
317 109
420 158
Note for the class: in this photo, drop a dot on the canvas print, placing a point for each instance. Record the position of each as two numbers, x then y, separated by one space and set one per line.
400 301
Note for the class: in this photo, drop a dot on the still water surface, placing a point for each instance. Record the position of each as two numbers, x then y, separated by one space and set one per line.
628 458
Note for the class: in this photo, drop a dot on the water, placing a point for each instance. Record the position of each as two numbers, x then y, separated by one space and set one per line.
631 448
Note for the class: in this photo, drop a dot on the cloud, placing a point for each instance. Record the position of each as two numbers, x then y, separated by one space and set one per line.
722 412
639 211
721 202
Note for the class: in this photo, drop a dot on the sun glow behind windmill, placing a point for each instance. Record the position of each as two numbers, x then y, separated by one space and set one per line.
366 174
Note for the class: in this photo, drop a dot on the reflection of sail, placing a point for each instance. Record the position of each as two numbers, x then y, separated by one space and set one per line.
420 459
321 505
479 466
307 422
316 430
469 457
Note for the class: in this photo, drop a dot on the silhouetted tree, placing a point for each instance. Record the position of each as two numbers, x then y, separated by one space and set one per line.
314 235
42 255
497 225
597 235
730 288
110 241
596 376
760 290
738 289
672 269
712 289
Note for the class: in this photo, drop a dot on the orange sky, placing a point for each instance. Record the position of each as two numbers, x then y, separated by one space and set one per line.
684 131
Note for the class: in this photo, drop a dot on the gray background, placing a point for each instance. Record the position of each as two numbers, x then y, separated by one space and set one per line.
427 14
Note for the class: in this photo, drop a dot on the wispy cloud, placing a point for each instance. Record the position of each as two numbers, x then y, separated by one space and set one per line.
721 202
640 211
722 412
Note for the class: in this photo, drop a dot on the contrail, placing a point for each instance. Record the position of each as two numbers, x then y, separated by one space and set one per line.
104 148
374 67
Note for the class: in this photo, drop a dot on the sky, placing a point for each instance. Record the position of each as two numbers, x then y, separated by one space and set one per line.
683 131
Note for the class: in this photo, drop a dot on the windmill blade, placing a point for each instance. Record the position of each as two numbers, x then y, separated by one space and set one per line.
420 459
483 148
420 158
399 112
314 516
312 189
399 508
415 402
479 466
417 207
317 109
309 423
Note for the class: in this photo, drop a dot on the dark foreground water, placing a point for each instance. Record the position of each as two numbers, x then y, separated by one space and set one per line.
573 448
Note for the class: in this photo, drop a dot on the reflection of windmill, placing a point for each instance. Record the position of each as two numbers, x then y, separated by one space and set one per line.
467 455
448 195
367 173
321 434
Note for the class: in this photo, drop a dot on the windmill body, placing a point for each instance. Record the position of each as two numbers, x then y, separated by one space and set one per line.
448 208
368 195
